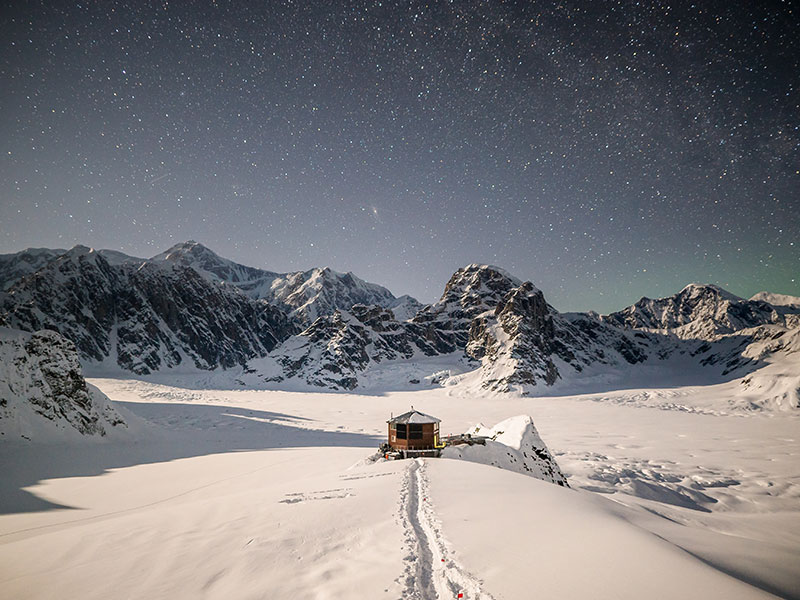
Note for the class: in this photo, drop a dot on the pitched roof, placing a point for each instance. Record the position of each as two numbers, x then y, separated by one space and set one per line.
414 416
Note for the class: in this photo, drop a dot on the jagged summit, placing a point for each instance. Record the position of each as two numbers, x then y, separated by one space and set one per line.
190 247
304 295
479 280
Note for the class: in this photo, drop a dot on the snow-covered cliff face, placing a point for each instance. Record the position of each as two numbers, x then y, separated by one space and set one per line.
472 291
42 389
522 339
777 299
143 318
336 349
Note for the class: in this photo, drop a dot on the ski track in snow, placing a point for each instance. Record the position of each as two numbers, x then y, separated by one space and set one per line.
431 572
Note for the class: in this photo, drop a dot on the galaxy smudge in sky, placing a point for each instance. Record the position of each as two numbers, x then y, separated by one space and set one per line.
604 151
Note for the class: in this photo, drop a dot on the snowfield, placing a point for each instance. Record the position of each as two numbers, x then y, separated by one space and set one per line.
214 493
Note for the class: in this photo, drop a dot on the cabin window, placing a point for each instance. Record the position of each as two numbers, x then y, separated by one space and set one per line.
401 431
415 431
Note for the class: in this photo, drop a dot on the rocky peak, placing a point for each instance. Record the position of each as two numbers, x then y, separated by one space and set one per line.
321 291
213 267
478 284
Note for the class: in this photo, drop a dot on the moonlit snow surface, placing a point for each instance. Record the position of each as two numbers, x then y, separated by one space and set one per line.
248 494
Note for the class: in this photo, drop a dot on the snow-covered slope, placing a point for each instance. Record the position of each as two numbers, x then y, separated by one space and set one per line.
515 445
143 318
318 292
43 392
189 307
213 267
228 493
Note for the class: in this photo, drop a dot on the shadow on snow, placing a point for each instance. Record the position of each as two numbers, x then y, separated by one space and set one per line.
181 431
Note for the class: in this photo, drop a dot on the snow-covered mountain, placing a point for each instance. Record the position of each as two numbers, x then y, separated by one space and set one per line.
42 388
485 317
697 312
189 307
255 282
777 299
336 349
143 318
304 295
510 338
14 267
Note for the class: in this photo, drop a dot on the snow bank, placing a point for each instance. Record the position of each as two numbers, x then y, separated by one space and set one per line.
514 445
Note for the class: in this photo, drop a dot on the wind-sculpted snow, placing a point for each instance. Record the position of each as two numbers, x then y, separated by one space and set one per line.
42 389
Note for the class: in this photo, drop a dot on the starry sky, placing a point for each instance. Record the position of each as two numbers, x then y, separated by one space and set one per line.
603 150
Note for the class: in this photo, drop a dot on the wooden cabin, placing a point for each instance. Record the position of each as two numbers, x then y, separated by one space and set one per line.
413 431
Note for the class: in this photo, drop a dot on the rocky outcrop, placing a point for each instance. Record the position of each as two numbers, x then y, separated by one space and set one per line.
470 292
519 342
512 444
42 386
188 306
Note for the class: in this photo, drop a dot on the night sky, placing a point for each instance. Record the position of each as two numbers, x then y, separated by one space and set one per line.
602 150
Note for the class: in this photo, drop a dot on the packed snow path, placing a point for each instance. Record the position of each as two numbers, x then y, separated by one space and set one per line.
431 574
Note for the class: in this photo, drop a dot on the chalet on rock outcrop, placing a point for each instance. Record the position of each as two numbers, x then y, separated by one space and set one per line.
414 431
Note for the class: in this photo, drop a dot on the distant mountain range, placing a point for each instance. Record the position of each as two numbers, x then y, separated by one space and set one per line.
188 309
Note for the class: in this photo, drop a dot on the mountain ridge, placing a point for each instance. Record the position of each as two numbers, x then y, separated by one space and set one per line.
189 306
